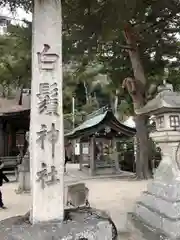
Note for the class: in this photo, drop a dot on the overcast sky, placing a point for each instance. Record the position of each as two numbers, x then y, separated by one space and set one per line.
19 14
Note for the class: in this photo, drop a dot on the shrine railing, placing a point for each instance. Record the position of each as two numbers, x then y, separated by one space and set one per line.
10 162
105 162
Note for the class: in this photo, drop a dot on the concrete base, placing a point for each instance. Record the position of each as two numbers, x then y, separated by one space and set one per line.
159 208
82 226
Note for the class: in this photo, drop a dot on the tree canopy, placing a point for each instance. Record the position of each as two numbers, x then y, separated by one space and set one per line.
13 4
15 56
136 42
93 30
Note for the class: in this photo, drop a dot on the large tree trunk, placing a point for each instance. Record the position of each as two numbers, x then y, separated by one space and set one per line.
142 162
136 88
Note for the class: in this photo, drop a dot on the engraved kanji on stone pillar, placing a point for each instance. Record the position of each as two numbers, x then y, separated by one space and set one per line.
47 178
53 135
42 135
46 130
48 99
46 59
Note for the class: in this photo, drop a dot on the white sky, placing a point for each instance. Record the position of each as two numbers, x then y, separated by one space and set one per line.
18 15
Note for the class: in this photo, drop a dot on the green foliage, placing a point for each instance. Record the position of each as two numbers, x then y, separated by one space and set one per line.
80 116
96 30
15 56
13 4
93 35
90 106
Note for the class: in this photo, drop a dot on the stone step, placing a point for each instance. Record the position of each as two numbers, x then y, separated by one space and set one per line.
140 231
162 224
168 191
162 206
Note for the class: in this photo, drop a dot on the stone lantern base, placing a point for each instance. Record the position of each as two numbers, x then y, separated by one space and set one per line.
159 207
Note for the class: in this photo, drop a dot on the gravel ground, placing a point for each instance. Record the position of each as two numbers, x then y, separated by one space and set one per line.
114 195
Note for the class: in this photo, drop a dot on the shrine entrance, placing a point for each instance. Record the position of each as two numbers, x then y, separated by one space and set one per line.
14 126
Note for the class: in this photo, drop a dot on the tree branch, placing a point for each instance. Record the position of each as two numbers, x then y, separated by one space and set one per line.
127 47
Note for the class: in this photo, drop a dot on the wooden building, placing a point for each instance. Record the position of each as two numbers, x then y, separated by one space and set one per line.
14 126
14 122
98 137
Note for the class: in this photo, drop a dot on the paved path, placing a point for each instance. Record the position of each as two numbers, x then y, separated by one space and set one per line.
116 196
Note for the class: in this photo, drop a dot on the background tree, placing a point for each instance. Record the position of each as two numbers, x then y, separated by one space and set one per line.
134 40
143 32
15 57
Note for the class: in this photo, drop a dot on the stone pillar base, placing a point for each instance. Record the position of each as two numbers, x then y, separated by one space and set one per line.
91 228
159 208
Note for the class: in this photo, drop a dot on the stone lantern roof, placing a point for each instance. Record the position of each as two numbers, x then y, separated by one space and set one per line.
165 101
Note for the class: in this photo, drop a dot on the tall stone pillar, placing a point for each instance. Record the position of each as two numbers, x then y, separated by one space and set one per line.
46 127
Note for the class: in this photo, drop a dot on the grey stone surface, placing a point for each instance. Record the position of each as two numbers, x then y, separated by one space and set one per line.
159 208
165 226
141 231
91 228
169 191
169 209
24 172
166 98
76 194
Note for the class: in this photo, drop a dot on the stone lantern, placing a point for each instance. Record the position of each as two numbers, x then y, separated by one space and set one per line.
24 172
159 207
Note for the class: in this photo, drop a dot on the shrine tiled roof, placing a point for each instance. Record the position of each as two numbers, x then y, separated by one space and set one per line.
89 123
12 110
18 103
11 106
98 122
